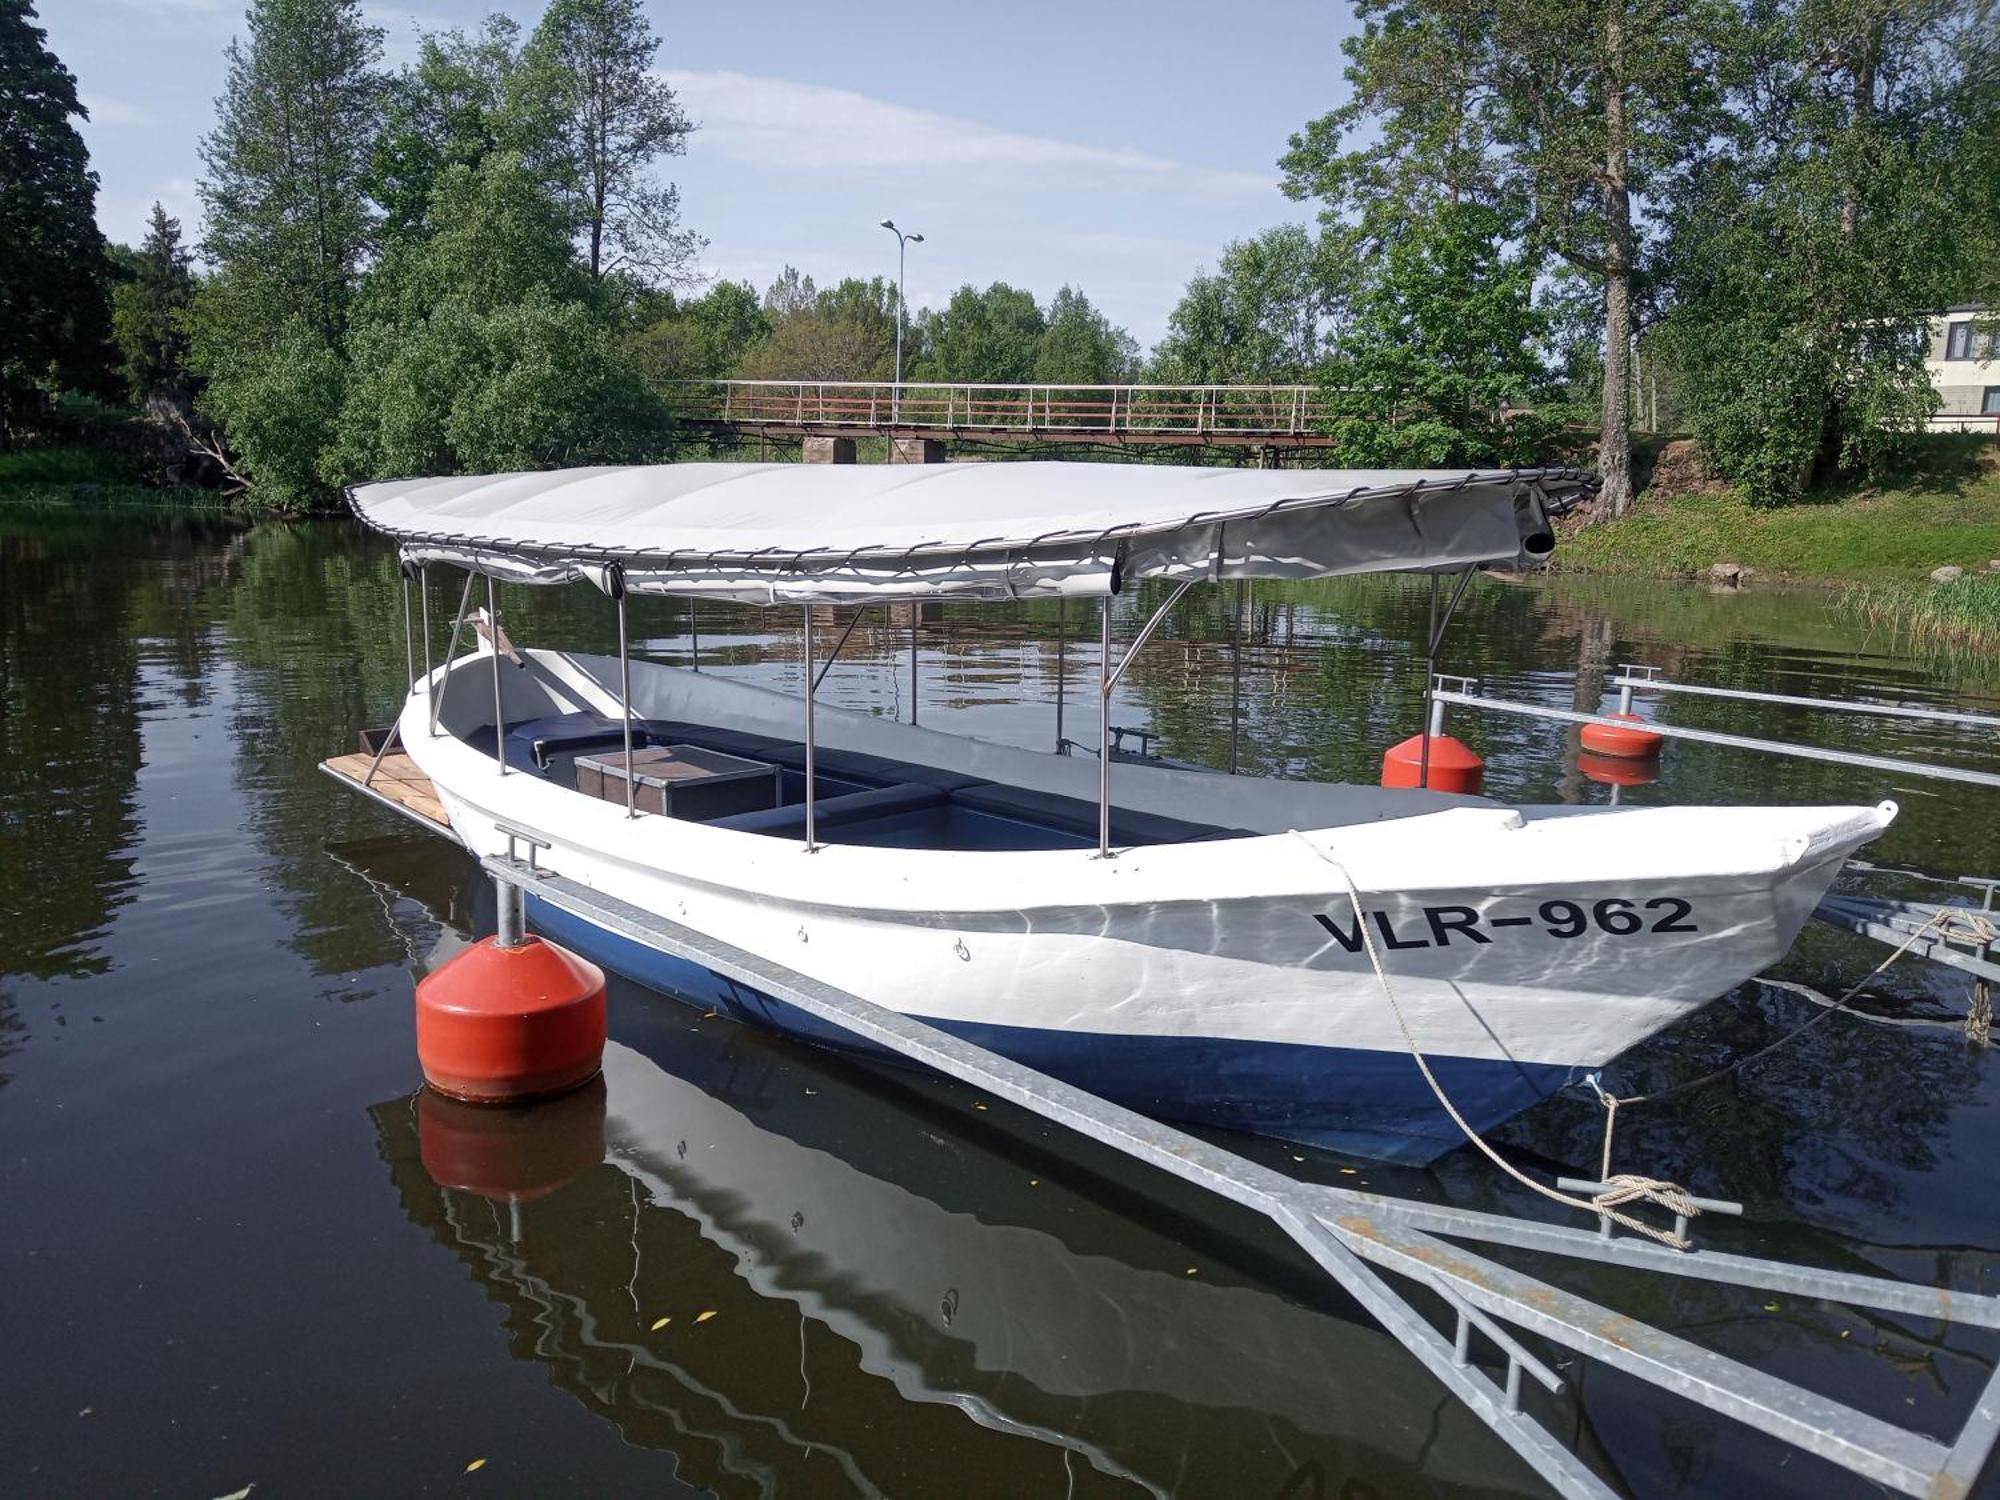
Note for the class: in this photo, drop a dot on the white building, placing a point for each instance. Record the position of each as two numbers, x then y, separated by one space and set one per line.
1964 365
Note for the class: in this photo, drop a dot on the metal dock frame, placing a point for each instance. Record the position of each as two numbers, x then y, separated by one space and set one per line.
1353 1236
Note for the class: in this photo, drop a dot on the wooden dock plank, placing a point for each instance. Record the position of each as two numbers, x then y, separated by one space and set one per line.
397 780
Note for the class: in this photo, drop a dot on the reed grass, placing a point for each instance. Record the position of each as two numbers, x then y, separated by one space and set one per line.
1961 615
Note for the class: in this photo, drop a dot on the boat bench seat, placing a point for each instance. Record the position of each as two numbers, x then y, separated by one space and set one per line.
789 821
1074 815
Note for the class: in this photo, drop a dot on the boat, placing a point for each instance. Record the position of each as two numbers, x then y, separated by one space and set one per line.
1251 953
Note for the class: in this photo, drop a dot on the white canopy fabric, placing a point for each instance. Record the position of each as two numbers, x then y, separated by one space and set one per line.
810 533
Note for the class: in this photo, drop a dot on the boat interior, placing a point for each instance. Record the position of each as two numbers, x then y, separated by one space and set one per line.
859 798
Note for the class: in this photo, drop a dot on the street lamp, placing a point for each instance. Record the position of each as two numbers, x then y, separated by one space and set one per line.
903 242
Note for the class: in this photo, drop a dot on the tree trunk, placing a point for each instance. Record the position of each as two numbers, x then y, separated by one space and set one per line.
1614 447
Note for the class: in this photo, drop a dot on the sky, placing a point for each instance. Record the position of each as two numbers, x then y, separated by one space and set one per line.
1113 145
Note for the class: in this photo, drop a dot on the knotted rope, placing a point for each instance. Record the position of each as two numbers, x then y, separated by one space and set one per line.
1615 1193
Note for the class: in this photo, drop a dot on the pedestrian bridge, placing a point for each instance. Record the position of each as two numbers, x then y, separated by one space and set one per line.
1262 416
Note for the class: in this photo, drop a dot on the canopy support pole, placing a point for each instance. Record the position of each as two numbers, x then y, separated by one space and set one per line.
694 632
1236 672
812 843
625 695
1107 680
915 610
457 624
1104 680
499 714
424 609
409 631
1062 641
1434 638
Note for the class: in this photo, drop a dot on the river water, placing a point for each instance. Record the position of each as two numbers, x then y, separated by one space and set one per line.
238 1246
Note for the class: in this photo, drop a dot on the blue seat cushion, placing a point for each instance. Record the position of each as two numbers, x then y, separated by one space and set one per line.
834 812
1074 815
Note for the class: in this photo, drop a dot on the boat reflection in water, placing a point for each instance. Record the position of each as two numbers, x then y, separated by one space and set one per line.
870 1295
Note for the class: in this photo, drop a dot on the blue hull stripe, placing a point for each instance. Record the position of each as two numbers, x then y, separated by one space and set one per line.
1365 1103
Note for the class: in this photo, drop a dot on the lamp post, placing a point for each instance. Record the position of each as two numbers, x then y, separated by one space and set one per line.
903 242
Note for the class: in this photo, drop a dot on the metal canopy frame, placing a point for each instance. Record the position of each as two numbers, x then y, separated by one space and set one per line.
1357 1237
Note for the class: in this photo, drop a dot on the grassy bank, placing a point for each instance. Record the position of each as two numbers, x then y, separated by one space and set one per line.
93 476
1946 510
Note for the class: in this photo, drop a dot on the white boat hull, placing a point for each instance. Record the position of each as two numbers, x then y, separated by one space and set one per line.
1224 981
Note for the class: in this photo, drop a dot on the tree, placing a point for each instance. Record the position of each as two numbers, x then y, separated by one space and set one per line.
1440 355
1858 191
54 318
289 227
1569 117
454 104
485 346
1079 345
285 194
845 332
1260 318
149 315
703 339
588 67
990 336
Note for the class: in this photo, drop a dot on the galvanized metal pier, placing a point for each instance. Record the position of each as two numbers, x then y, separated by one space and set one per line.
1361 1240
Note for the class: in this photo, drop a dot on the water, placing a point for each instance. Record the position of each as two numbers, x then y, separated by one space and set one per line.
238 1248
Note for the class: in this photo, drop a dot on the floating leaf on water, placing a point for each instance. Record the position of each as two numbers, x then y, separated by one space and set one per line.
1193 1270
1770 1307
705 1315
1347 1171
977 1105
1034 1182
242 1494
661 1323
475 1466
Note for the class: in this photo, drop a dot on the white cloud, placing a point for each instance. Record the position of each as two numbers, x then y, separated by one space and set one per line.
772 122
109 112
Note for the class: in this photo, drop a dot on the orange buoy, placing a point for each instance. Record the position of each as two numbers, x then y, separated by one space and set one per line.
513 1155
504 1024
1454 766
1614 770
1625 744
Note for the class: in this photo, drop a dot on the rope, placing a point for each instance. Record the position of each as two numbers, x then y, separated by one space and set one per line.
1615 1192
1939 920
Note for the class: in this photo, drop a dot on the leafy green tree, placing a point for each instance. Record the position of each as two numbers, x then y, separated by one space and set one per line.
1859 189
705 338
450 107
1259 318
990 336
149 315
289 228
1572 118
485 345
1438 367
589 68
1080 346
288 215
843 332
54 318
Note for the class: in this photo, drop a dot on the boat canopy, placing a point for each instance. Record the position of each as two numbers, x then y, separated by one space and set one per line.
841 533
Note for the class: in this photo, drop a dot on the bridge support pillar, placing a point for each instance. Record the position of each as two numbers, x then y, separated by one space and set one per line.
827 450
912 450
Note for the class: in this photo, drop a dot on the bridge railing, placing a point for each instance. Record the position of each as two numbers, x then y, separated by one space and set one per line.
1084 410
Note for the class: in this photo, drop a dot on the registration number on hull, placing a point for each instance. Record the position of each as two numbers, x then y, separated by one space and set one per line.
1441 926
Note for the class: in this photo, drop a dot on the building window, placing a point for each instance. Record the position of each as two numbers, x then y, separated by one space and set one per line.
1967 341
1990 406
